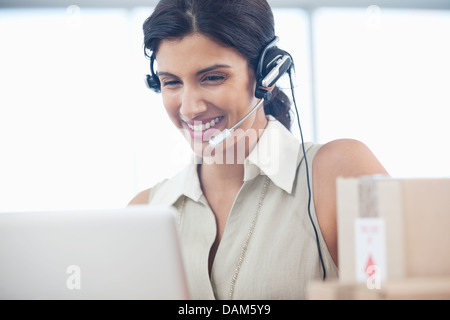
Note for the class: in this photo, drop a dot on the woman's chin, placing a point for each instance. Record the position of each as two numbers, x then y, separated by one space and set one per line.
200 142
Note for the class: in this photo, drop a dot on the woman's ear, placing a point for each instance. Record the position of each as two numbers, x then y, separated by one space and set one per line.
271 88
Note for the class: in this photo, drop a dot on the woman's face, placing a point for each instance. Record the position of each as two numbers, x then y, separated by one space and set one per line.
206 88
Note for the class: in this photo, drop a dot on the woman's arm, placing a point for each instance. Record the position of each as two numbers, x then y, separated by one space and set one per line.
339 158
141 198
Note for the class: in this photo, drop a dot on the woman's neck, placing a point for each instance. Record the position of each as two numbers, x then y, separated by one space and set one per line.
225 171
221 177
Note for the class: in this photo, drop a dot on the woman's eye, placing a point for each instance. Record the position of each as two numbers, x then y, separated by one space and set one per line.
214 78
169 83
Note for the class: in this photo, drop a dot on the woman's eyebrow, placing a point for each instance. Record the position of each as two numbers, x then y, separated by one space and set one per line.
162 73
211 68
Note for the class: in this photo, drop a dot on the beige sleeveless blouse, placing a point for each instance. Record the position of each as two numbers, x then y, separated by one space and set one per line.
281 256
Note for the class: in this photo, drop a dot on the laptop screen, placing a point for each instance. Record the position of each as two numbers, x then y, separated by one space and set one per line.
129 253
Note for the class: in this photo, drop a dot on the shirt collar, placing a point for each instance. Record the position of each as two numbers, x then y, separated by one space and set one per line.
185 182
277 155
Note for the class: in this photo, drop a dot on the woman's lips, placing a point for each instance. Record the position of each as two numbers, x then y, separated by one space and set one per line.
203 129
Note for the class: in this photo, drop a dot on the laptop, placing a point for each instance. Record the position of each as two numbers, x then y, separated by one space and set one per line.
128 253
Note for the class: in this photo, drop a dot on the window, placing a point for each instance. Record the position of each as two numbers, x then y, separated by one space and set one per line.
79 129
383 77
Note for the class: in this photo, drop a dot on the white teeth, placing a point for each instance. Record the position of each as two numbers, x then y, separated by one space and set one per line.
205 126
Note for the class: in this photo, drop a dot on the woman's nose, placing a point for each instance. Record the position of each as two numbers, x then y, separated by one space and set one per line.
192 102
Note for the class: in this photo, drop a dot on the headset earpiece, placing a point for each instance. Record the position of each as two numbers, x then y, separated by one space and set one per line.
152 80
273 64
153 83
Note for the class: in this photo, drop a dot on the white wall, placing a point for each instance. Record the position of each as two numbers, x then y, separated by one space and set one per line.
79 129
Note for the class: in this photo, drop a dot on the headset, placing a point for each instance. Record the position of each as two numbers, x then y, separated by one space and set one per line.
273 64
152 80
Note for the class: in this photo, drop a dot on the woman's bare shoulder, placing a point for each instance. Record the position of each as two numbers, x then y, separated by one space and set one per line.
141 198
347 157
338 158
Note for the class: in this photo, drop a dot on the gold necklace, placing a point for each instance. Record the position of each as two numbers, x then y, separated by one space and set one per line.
247 239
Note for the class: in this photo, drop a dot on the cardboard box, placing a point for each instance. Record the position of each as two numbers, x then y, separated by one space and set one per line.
390 228
434 288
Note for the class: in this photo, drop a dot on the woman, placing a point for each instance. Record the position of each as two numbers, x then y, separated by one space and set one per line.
245 225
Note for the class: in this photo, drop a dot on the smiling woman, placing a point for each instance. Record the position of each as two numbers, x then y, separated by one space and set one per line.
84 117
199 93
247 227
247 35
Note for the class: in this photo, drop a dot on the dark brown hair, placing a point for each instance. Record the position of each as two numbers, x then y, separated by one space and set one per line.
245 25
